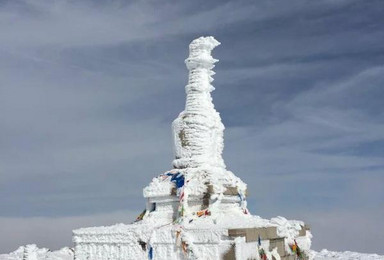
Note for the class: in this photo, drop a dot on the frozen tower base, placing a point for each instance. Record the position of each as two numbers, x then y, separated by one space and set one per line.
198 209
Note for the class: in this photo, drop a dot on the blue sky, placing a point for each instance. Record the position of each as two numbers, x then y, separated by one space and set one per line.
88 91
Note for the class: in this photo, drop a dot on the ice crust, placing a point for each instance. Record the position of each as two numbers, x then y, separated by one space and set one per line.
32 252
198 130
347 255
198 142
194 204
199 199
67 254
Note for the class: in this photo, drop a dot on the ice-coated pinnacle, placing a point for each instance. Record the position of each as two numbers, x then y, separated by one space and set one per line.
200 53
198 130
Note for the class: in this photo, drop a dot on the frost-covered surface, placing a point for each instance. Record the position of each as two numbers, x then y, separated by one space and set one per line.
198 145
67 254
31 252
191 207
290 230
196 182
347 255
201 237
198 130
252 250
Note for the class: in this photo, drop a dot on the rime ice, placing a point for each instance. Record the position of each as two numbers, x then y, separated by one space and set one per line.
198 130
198 209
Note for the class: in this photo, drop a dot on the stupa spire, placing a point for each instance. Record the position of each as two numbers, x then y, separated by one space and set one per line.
198 130
198 209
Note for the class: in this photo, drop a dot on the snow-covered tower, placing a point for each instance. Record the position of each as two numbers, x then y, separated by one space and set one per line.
198 130
198 209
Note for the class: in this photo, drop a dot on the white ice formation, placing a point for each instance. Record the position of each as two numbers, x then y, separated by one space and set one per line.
198 130
32 252
67 254
198 209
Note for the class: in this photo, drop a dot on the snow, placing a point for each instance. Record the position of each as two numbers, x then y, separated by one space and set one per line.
290 229
67 254
247 250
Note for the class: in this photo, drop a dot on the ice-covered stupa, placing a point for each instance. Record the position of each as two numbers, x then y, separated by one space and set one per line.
198 209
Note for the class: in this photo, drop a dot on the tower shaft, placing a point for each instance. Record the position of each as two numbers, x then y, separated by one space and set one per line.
198 130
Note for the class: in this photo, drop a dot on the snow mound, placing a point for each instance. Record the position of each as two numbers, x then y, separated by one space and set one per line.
347 255
198 130
32 252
